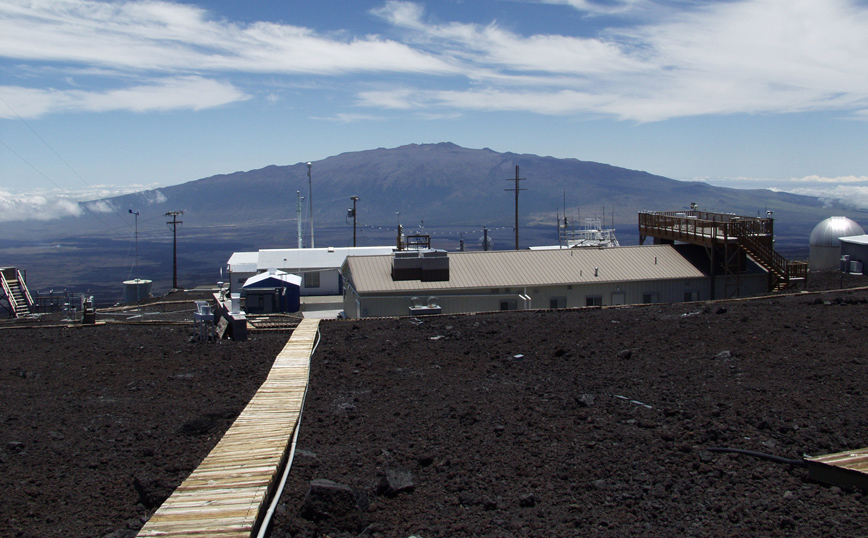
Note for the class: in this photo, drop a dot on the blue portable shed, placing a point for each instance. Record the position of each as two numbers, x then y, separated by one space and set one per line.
272 291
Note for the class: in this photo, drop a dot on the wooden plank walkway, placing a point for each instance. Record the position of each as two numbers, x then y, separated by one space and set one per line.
226 495
845 469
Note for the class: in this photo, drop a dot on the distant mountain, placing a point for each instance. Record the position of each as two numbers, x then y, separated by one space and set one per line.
447 186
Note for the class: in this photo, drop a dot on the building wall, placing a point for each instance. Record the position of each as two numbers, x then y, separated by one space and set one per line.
329 282
749 285
540 298
237 280
824 258
857 252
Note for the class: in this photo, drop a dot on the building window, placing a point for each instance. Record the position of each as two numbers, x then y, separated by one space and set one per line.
495 291
557 302
651 298
594 300
311 280
509 305
690 296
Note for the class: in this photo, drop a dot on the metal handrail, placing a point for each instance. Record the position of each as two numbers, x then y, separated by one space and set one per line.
13 304
26 292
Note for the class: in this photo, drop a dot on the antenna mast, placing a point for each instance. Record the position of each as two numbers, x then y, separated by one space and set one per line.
310 199
516 189
354 199
174 226
298 216
136 266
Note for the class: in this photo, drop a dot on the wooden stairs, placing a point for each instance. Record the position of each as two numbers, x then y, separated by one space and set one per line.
15 291
783 274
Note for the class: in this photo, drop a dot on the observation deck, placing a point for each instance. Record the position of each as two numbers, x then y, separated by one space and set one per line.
727 235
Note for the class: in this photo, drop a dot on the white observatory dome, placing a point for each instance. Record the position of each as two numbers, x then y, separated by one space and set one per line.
826 233
825 245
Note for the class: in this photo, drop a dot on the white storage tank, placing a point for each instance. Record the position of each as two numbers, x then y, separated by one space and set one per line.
137 290
825 243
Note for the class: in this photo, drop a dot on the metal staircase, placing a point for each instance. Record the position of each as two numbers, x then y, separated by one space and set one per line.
18 298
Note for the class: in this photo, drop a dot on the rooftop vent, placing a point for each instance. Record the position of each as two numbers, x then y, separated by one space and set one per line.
423 265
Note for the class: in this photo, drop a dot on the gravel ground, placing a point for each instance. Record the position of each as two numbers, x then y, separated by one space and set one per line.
516 424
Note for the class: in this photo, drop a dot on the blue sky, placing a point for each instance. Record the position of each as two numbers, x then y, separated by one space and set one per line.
97 97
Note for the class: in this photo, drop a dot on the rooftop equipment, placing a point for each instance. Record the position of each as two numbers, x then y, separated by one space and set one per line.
424 265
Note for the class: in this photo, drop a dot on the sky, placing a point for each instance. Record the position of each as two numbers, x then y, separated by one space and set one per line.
99 98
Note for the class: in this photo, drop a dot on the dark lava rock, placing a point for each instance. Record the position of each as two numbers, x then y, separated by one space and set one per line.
151 493
198 426
396 481
585 400
334 507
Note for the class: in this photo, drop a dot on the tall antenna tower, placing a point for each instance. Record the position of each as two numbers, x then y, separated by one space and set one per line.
298 217
355 199
136 266
174 227
310 199
516 189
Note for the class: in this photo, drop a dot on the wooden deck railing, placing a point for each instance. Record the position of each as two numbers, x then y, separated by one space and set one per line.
754 235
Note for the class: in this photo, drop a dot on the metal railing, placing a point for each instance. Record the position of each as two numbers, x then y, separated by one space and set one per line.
754 235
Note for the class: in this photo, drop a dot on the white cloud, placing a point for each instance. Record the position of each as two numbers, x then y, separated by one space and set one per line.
841 195
751 56
55 204
805 179
841 191
156 35
153 197
599 6
745 56
194 93
36 207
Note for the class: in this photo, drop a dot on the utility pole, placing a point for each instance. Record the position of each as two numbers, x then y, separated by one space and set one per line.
298 216
136 266
516 189
354 199
174 226
310 199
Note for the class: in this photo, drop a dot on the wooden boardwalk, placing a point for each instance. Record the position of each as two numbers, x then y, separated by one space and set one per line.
226 495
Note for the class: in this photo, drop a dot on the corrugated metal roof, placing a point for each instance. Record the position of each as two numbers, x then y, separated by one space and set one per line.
313 258
519 268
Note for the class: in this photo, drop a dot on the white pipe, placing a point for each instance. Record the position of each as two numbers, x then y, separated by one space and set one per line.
268 515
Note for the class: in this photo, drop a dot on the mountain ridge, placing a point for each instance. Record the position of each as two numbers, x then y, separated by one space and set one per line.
454 190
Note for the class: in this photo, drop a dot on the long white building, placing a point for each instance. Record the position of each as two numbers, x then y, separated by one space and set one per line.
464 282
